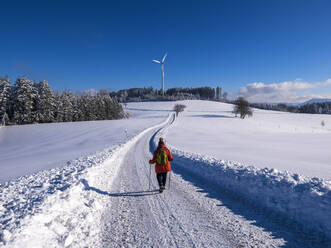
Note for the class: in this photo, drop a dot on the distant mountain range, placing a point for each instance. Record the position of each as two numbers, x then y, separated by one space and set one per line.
315 100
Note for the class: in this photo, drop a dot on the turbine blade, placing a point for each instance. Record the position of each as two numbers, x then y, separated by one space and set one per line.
156 61
164 57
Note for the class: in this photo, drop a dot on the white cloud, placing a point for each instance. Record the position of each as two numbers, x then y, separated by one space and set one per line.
288 91
327 82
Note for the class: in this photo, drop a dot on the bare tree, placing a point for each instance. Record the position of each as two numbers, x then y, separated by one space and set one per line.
179 108
242 107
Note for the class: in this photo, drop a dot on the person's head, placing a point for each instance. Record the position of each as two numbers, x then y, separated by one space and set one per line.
161 142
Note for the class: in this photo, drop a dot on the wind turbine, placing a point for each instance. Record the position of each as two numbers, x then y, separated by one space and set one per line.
161 63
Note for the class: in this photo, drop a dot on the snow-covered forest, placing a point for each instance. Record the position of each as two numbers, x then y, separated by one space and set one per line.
172 94
27 102
308 108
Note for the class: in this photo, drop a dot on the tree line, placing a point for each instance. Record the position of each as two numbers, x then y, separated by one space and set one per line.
172 94
27 102
309 108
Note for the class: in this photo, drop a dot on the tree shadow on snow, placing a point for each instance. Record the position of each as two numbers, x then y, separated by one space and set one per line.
120 194
278 226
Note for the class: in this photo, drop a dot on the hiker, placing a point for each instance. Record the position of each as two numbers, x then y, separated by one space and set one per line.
162 158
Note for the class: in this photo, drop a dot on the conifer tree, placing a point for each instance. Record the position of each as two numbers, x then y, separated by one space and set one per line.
35 116
45 103
22 101
4 97
58 112
68 100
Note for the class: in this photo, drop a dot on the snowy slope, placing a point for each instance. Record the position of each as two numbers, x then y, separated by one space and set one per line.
52 208
30 148
300 203
285 141
109 205
102 199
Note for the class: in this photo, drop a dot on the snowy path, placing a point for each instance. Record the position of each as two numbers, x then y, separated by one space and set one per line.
146 218
180 217
110 205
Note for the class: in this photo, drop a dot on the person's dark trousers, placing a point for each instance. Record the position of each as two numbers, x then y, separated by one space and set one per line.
162 179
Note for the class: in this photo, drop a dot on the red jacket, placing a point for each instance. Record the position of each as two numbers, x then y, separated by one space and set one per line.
162 168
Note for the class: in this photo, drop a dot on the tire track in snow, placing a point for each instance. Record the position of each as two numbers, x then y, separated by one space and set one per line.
158 220
112 207
159 229
205 220
71 209
183 217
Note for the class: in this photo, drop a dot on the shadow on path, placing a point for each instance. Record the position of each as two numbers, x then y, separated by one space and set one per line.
123 194
269 221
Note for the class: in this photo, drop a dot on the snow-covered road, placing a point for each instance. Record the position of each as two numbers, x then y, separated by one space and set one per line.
182 216
139 217
110 205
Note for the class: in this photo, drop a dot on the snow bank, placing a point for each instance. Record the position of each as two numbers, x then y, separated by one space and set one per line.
302 199
23 196
56 207
296 199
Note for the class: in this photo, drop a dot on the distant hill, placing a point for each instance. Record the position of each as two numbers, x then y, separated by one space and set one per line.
316 100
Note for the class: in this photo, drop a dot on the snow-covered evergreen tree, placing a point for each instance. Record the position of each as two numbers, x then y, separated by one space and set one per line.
45 103
78 111
4 97
27 102
58 112
22 101
68 100
35 117
102 108
90 108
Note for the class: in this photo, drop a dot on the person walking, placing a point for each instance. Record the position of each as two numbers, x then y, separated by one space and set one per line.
161 158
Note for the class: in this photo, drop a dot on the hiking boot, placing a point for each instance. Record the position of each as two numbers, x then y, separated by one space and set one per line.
161 190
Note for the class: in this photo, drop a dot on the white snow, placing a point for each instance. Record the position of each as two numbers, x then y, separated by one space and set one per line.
291 196
258 182
49 207
30 148
285 141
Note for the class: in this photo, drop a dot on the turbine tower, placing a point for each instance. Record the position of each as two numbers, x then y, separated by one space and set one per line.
161 63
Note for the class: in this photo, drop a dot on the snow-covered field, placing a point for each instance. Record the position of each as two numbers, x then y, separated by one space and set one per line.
86 184
30 148
284 141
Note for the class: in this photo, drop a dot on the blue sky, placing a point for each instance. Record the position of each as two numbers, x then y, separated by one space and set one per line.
266 50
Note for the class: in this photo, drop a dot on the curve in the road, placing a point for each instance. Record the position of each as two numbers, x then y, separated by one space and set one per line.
181 217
